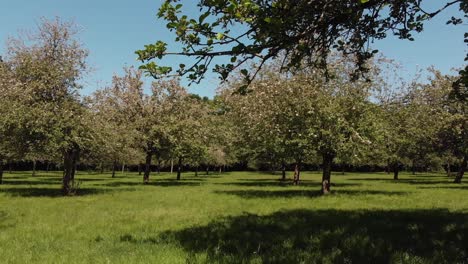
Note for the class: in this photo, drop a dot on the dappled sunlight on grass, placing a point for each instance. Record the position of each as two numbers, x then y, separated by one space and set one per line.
237 217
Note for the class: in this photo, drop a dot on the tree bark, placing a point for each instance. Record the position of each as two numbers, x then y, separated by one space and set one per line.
395 171
326 175
179 168
123 169
207 170
34 168
172 166
220 169
147 167
1 171
139 168
297 173
461 171
159 166
196 171
67 171
114 164
74 164
283 171
449 172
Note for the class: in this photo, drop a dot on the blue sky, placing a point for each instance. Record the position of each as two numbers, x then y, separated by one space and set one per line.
113 30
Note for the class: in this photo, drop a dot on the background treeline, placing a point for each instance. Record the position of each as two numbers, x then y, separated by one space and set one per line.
307 119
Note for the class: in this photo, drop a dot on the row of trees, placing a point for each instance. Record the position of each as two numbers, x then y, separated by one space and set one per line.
44 118
316 116
313 117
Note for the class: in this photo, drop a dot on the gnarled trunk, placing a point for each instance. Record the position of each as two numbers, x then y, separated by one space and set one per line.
1 171
114 164
283 171
326 175
449 172
147 167
297 173
34 168
395 171
67 171
461 171
159 166
179 168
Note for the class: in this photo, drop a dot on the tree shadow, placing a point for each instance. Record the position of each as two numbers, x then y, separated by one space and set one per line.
453 187
249 194
287 183
405 181
27 182
326 236
156 183
51 192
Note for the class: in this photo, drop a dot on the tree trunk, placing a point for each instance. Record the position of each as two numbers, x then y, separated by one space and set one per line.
413 167
74 165
207 170
395 171
326 176
9 167
179 168
196 171
1 171
67 171
283 171
147 168
461 171
48 166
159 166
123 169
114 164
449 172
220 169
172 166
139 168
34 168
101 167
297 173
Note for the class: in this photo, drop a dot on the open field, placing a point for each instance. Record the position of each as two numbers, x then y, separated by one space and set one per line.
238 217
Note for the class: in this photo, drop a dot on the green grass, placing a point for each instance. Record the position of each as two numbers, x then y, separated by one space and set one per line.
239 217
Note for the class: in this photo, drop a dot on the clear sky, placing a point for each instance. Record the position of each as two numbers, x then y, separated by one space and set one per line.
113 30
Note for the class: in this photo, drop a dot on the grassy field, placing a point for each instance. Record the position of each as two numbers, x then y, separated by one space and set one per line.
239 217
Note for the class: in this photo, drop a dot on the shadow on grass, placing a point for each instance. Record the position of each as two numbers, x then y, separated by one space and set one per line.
287 183
302 193
51 192
160 183
453 187
27 182
405 181
326 236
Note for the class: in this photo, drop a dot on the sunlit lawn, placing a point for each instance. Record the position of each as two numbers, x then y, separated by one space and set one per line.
238 217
